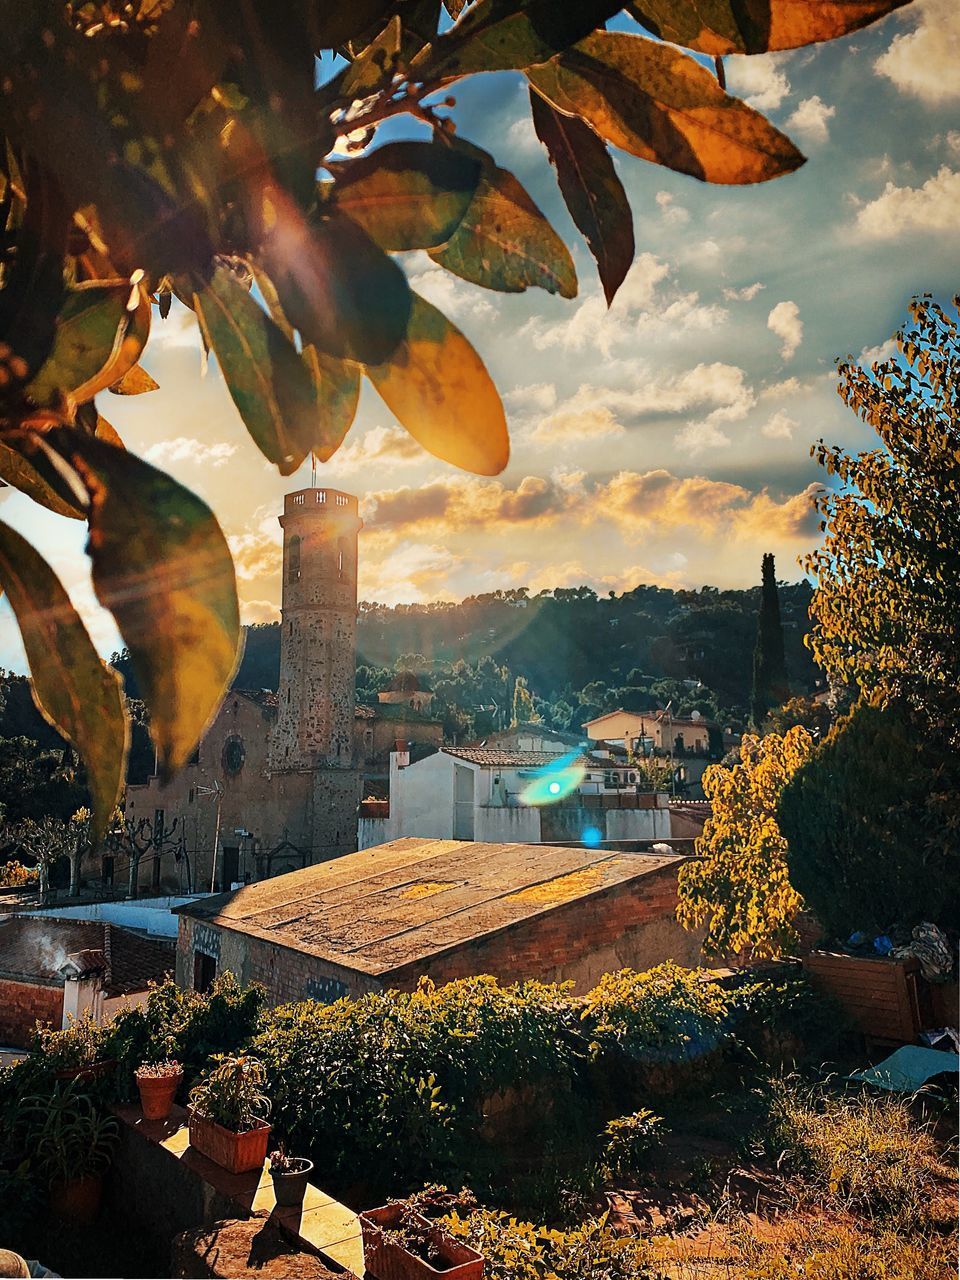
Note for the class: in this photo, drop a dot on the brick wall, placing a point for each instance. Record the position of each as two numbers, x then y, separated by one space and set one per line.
22 1005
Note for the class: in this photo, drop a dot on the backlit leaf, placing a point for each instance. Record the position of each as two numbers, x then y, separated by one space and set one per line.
375 64
337 287
504 242
591 190
263 371
755 26
135 382
73 688
657 103
90 329
508 35
25 466
408 195
162 566
336 385
440 391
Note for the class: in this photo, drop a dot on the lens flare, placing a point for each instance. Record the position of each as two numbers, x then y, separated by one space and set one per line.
554 781
592 837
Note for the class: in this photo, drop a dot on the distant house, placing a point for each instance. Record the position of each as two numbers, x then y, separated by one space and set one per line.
408 689
531 737
52 970
383 918
482 793
691 741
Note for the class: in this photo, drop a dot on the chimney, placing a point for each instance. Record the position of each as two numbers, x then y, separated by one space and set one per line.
402 749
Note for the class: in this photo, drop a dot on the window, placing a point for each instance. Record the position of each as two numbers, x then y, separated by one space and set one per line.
321 495
298 499
341 543
293 560
204 972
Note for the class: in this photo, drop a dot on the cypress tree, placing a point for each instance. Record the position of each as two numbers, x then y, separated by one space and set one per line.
770 686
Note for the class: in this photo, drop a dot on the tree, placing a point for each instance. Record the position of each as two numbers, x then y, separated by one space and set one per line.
46 840
886 610
523 711
737 886
160 150
816 717
770 684
872 823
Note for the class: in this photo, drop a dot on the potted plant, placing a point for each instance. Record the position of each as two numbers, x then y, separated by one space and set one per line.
401 1244
158 1083
72 1145
228 1113
290 1175
74 1052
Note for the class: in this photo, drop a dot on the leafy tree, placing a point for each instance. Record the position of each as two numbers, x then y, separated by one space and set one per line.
816 717
523 711
737 887
157 150
886 610
872 823
770 685
44 841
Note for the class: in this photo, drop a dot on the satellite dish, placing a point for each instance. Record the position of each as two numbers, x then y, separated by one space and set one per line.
694 715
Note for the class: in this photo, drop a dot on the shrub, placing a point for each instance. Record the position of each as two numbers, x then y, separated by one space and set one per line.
865 1154
231 1092
628 1141
665 1015
14 875
837 1252
522 1251
784 1018
79 1044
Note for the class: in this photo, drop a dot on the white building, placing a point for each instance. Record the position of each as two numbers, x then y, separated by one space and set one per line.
483 793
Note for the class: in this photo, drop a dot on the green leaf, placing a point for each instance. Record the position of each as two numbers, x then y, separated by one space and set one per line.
73 688
25 466
509 35
90 328
375 65
718 27
337 287
591 190
657 103
504 242
135 382
162 567
407 195
336 385
440 391
265 376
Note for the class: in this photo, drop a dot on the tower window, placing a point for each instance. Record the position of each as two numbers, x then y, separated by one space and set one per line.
340 546
293 560
321 495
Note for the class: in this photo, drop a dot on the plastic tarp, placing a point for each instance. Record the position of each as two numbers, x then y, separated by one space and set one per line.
909 1068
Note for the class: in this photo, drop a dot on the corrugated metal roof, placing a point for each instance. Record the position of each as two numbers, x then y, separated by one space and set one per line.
381 909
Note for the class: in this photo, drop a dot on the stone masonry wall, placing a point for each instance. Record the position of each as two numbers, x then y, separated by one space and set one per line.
22 1005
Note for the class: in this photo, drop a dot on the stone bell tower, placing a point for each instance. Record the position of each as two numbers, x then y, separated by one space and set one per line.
315 719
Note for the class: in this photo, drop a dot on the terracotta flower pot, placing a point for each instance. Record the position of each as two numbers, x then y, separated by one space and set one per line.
290 1187
386 1258
90 1071
157 1094
78 1200
235 1152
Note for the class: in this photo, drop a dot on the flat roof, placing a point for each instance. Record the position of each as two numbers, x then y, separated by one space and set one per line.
384 908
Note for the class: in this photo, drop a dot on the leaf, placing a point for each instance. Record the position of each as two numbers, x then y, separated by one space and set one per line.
73 688
659 104
407 195
454 7
90 328
591 190
504 242
375 64
263 371
336 385
509 35
337 287
719 27
135 382
24 466
440 391
162 567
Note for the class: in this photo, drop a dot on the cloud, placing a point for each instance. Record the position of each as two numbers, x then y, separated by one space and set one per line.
787 387
698 437
810 119
673 214
784 320
926 61
572 425
412 574
186 449
379 444
758 80
764 517
539 397
930 207
451 295
746 294
254 611
257 551
719 387
779 427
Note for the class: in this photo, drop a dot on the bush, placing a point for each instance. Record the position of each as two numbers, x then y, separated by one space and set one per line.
522 1251
784 1019
393 1083
628 1141
665 1015
864 1154
14 875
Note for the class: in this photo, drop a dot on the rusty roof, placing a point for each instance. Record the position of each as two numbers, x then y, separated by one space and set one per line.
35 948
501 758
382 909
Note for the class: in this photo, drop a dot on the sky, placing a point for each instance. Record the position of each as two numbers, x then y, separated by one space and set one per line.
664 441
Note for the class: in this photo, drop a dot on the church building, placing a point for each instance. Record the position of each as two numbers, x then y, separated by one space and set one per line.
275 783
